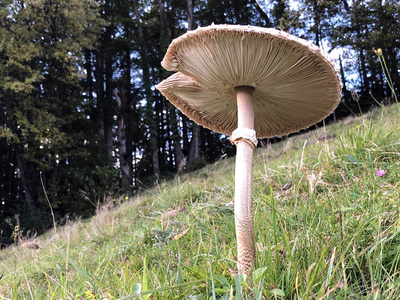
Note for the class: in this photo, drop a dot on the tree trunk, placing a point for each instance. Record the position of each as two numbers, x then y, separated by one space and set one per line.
109 90
29 180
190 14
393 69
363 73
342 77
194 144
89 78
185 121
153 146
262 13
317 21
130 102
179 158
195 141
108 111
124 157
99 88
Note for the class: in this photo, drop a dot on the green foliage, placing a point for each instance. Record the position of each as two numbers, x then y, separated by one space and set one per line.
326 226
352 29
61 61
198 163
42 108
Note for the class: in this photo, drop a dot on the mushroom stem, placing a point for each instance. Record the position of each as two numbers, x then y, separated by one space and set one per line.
243 179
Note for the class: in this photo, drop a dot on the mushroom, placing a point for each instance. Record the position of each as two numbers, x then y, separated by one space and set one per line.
249 82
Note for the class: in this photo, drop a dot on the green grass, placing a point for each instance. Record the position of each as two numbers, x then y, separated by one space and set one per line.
333 234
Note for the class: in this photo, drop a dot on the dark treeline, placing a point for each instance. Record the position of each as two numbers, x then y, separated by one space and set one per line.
80 118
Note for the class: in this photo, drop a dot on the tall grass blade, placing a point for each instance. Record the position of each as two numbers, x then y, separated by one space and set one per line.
239 278
29 286
179 270
144 283
76 267
159 290
212 284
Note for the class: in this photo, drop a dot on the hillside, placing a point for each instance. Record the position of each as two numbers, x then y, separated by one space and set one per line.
326 211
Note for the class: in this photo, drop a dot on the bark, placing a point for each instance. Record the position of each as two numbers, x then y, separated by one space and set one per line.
153 145
190 14
317 21
185 136
179 158
124 157
194 144
129 101
109 90
29 180
342 77
174 146
393 69
345 93
99 88
108 111
195 141
89 76
363 73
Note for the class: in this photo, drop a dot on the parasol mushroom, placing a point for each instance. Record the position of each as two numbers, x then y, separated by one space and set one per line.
249 82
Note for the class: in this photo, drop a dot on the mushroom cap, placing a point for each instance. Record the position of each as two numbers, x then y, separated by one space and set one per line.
295 84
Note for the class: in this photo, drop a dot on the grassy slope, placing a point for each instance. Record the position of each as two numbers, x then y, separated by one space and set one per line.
333 234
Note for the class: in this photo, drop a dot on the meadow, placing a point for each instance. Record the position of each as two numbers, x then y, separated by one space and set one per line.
327 225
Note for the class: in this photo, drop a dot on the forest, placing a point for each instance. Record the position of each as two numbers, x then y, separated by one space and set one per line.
81 120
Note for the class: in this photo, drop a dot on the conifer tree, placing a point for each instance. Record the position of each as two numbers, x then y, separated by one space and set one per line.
43 107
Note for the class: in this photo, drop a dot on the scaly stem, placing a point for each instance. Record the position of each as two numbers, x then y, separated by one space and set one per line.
243 182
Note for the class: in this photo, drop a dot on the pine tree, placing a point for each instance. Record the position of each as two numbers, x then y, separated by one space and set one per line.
43 108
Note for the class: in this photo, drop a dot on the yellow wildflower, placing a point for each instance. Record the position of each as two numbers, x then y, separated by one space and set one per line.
378 52
89 295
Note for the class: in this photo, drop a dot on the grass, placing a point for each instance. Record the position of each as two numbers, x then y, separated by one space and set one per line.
326 227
